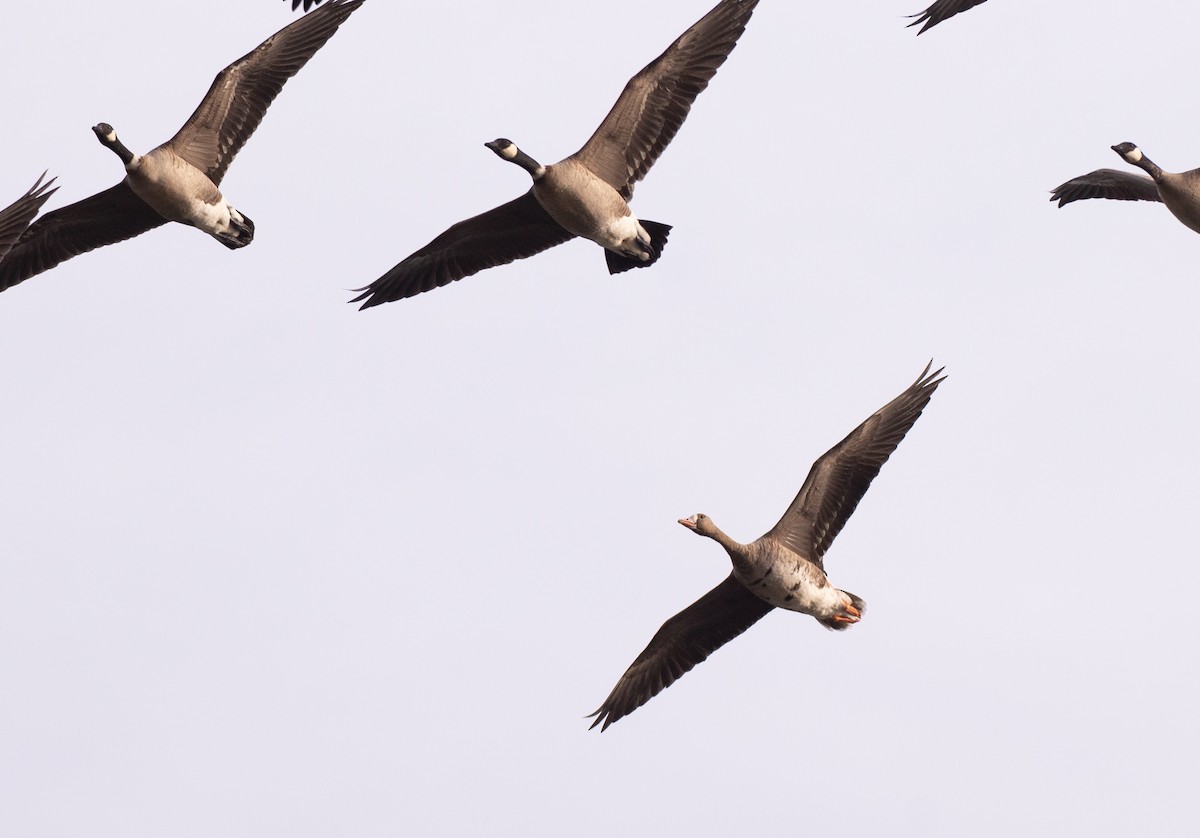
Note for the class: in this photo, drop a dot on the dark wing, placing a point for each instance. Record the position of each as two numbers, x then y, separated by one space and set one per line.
657 100
16 216
107 217
242 92
308 4
838 480
1106 183
509 232
942 10
683 641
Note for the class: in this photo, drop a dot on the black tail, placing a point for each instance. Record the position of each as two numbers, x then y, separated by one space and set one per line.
240 233
658 240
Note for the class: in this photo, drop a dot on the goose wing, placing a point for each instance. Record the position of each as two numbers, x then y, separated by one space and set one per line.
308 4
1106 183
501 235
839 479
242 92
942 10
16 216
105 218
656 101
683 641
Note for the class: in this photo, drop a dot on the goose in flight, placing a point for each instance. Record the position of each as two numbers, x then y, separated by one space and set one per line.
178 180
588 193
1180 191
782 569
940 10
16 216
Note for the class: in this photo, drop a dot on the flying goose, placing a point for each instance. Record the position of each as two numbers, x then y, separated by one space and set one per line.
586 194
178 180
1179 191
16 217
939 11
782 569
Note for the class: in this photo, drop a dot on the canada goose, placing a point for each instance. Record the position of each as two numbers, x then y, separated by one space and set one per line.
1179 191
178 180
939 11
586 194
782 569
16 217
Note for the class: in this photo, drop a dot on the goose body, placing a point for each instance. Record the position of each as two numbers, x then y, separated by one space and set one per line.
179 191
1179 191
17 216
584 205
782 569
179 181
587 194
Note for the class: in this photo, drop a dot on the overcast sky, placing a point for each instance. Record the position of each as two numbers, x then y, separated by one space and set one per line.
273 566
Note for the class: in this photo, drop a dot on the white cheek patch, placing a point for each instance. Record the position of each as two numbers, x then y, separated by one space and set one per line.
1134 156
110 137
508 152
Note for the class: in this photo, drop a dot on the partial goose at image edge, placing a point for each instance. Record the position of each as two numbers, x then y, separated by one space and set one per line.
17 216
941 10
179 179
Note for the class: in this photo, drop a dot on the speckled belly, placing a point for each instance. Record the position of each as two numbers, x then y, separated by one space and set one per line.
794 584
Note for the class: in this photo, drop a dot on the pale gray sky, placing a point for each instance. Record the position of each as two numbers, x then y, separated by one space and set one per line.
272 566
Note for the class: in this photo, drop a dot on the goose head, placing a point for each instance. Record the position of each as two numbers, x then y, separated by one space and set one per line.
700 524
108 138
105 133
506 149
1129 152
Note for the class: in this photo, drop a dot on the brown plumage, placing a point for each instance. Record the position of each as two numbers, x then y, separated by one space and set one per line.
645 118
784 568
198 155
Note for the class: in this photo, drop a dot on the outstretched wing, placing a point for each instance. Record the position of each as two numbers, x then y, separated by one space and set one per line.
839 479
509 232
241 93
655 102
107 217
1106 183
683 641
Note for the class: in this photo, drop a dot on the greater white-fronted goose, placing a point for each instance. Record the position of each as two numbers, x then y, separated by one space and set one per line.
586 194
178 181
942 10
782 569
1179 191
16 216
